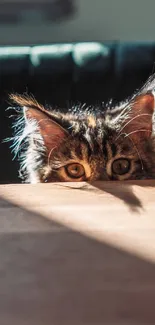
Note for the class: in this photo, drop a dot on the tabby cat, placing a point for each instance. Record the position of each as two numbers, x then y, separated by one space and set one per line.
115 143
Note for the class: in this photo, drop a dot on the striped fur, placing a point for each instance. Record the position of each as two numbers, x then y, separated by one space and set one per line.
93 138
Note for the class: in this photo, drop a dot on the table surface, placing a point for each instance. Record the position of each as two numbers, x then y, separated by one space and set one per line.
77 254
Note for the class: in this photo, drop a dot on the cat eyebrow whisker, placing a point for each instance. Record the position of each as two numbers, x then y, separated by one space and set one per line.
134 118
127 134
140 130
49 155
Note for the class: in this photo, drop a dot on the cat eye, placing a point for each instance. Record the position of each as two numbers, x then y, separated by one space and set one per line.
75 170
121 166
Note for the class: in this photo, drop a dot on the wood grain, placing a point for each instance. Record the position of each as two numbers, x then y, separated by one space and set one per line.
75 253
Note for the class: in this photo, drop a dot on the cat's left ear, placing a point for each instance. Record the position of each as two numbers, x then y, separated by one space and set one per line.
48 125
139 123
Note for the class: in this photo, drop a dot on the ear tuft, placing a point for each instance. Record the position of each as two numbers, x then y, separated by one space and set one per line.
25 101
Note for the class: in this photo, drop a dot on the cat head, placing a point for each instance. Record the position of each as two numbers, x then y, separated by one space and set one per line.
115 144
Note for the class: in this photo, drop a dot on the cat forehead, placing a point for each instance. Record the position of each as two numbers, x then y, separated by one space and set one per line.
92 126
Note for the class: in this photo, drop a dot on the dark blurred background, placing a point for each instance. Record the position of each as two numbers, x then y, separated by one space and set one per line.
45 21
65 51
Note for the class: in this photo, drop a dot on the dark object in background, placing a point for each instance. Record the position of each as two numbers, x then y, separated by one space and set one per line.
34 11
64 73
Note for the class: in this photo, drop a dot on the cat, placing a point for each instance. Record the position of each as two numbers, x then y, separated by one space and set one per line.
115 143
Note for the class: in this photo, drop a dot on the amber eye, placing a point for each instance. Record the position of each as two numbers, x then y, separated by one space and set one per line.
121 166
75 170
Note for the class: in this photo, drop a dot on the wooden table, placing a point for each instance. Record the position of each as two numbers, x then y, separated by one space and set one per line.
77 254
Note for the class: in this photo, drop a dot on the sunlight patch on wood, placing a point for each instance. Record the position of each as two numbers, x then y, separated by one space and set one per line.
121 215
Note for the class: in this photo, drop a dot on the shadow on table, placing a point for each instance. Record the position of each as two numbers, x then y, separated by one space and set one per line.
51 275
121 190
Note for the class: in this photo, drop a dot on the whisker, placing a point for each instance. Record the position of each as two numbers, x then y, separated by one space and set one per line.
49 156
141 130
134 118
126 134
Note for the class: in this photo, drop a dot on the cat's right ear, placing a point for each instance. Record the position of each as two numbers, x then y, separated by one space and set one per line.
139 123
50 130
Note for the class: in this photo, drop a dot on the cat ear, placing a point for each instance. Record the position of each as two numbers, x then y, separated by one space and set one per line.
139 124
50 130
52 133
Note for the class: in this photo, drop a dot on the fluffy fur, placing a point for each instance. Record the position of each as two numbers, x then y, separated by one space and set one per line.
110 143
